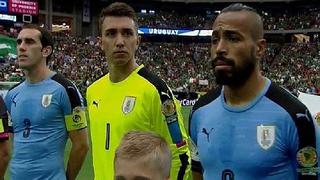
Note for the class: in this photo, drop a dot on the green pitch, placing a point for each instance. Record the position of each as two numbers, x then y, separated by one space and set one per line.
86 172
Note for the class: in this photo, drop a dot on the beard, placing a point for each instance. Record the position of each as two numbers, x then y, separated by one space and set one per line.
238 75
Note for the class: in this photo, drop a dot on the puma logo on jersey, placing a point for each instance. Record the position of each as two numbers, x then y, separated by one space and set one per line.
301 115
165 94
204 131
95 103
71 87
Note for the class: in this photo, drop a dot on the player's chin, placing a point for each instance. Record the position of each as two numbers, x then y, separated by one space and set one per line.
224 78
226 73
23 65
120 61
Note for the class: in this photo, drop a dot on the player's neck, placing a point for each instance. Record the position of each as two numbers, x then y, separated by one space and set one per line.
120 73
243 95
37 74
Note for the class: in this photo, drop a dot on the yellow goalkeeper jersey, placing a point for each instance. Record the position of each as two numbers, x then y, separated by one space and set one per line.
141 102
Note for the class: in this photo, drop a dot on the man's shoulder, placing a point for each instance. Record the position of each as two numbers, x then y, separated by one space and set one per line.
16 87
96 85
154 80
207 98
60 79
285 99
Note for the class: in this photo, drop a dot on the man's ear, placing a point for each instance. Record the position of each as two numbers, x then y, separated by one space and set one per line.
46 51
99 39
138 42
261 47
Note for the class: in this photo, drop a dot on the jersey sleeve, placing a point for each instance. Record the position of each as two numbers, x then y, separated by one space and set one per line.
4 128
167 109
195 159
168 122
7 103
73 108
302 140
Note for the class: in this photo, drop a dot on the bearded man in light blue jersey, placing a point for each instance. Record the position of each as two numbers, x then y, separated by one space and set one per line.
249 128
46 109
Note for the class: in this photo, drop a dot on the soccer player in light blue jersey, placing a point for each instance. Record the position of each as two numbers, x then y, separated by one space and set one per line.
46 109
249 128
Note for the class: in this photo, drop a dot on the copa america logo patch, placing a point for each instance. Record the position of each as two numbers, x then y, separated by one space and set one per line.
76 118
307 156
76 114
128 104
168 107
46 100
266 136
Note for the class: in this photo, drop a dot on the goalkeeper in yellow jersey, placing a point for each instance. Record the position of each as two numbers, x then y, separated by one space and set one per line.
130 98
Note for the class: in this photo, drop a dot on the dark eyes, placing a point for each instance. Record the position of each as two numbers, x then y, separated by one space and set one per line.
27 41
234 38
113 33
19 41
231 38
214 40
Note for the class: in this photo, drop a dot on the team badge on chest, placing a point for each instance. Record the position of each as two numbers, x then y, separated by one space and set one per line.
128 104
46 100
266 136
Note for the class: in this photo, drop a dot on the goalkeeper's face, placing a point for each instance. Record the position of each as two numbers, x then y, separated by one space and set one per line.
126 169
120 40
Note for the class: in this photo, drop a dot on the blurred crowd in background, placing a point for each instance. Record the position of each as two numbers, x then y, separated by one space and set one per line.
185 66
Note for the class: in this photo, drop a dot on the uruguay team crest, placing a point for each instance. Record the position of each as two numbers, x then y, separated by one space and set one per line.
266 136
46 100
128 104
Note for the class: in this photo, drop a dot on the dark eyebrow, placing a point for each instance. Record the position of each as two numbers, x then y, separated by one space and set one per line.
230 32
124 29
226 32
128 29
214 33
26 39
110 30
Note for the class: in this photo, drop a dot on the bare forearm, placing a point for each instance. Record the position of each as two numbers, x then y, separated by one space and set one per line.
3 166
4 158
77 156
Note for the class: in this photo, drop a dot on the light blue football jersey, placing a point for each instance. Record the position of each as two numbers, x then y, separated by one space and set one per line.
272 138
38 114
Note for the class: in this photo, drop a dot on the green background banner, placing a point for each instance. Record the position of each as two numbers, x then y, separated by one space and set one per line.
8 46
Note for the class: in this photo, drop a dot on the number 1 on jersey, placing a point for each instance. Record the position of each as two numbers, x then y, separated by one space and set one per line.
107 136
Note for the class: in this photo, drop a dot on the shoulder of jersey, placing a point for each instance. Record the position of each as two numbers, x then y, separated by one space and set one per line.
207 98
153 79
15 86
62 80
97 82
285 99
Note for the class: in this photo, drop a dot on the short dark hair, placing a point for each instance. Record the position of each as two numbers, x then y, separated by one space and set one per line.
118 9
45 37
238 7
257 32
